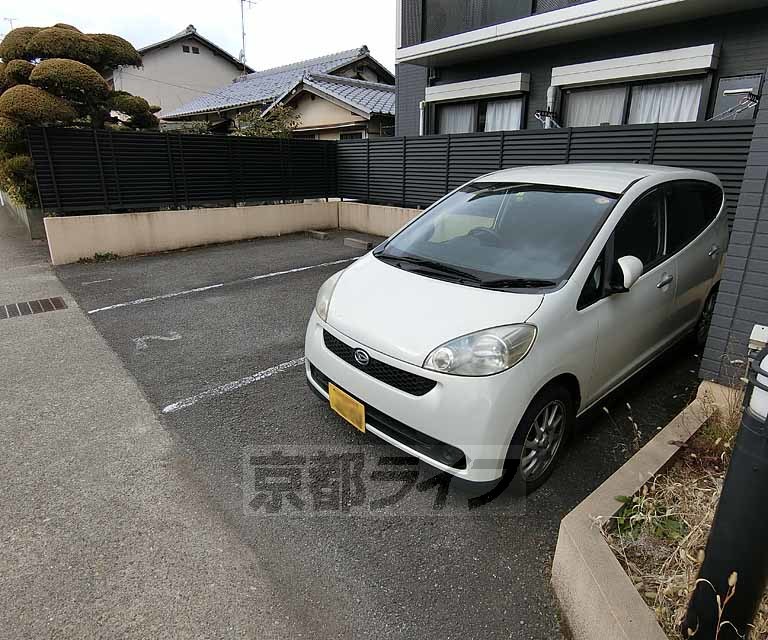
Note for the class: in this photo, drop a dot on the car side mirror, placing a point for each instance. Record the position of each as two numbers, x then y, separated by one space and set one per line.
631 268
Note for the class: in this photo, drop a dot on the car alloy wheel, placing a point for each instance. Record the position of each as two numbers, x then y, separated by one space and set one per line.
543 440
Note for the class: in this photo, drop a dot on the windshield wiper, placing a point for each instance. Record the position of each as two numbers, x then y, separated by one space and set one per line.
518 283
431 265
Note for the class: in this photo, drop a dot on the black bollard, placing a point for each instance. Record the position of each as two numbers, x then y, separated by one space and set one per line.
736 557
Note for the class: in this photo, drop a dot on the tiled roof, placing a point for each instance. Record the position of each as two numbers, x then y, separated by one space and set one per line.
370 97
264 86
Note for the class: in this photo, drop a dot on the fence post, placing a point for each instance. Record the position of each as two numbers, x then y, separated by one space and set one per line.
568 146
501 150
115 168
232 182
448 164
53 170
183 170
368 169
101 169
171 171
405 162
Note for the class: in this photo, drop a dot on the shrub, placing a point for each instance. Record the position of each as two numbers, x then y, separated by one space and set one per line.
17 179
143 121
64 25
56 42
14 45
5 82
18 71
70 79
128 104
278 123
114 51
11 134
31 105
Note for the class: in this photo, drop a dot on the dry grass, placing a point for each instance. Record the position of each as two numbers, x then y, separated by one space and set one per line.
659 536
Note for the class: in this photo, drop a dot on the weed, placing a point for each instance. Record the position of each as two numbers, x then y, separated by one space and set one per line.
107 256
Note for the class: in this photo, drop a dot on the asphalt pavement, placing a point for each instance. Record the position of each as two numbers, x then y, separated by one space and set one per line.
214 338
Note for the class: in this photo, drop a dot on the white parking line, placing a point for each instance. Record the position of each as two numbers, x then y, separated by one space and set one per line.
232 386
186 292
85 284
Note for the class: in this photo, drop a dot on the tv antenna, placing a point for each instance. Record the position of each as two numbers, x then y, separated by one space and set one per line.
10 21
243 3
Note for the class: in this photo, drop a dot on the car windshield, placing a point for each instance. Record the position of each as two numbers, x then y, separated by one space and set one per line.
502 235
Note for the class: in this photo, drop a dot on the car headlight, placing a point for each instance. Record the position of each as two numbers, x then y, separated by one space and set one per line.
324 295
483 353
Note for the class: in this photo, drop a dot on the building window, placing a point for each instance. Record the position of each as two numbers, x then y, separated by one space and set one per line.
634 103
504 114
742 84
593 107
185 48
666 102
196 50
351 135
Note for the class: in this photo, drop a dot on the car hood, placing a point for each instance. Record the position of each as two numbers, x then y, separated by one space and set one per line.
407 315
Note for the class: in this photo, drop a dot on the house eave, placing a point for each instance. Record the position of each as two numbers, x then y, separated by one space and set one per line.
587 20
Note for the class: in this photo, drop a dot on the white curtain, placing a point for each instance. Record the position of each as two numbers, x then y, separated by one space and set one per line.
592 107
457 118
667 102
504 115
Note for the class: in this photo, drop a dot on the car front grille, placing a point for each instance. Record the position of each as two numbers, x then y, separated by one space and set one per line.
394 377
427 445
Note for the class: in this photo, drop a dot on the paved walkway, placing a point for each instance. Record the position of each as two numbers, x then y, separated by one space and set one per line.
103 533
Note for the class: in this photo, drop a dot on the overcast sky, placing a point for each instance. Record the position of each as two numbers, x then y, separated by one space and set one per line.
278 31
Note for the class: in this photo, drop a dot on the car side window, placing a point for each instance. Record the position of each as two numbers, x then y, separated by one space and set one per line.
691 208
593 288
641 231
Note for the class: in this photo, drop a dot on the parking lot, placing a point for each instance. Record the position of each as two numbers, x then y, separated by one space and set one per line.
214 337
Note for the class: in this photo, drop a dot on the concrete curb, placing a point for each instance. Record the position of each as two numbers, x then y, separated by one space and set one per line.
596 597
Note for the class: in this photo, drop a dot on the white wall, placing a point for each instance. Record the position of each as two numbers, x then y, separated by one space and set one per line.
126 234
171 78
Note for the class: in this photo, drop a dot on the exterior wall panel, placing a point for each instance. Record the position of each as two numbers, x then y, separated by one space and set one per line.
743 49
411 83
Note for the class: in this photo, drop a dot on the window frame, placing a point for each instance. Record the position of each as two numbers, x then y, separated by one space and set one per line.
196 50
717 94
706 90
185 48
481 106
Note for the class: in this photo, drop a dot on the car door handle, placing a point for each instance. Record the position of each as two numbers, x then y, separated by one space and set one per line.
714 251
666 279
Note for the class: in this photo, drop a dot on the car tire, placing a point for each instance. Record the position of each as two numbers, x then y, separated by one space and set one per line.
705 320
554 399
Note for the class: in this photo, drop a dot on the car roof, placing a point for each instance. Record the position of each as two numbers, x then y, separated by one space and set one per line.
614 177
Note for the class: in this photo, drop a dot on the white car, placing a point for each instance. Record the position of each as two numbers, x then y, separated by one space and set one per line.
474 336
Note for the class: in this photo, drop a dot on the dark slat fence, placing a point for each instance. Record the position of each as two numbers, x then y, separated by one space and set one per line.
414 172
82 170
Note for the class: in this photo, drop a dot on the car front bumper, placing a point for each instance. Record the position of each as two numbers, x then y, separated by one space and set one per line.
463 426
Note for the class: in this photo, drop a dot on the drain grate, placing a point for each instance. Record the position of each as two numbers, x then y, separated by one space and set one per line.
31 307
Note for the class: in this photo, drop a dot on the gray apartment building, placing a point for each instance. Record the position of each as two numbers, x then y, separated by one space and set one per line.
472 66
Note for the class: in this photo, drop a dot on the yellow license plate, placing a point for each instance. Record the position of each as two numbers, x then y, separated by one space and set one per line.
347 407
